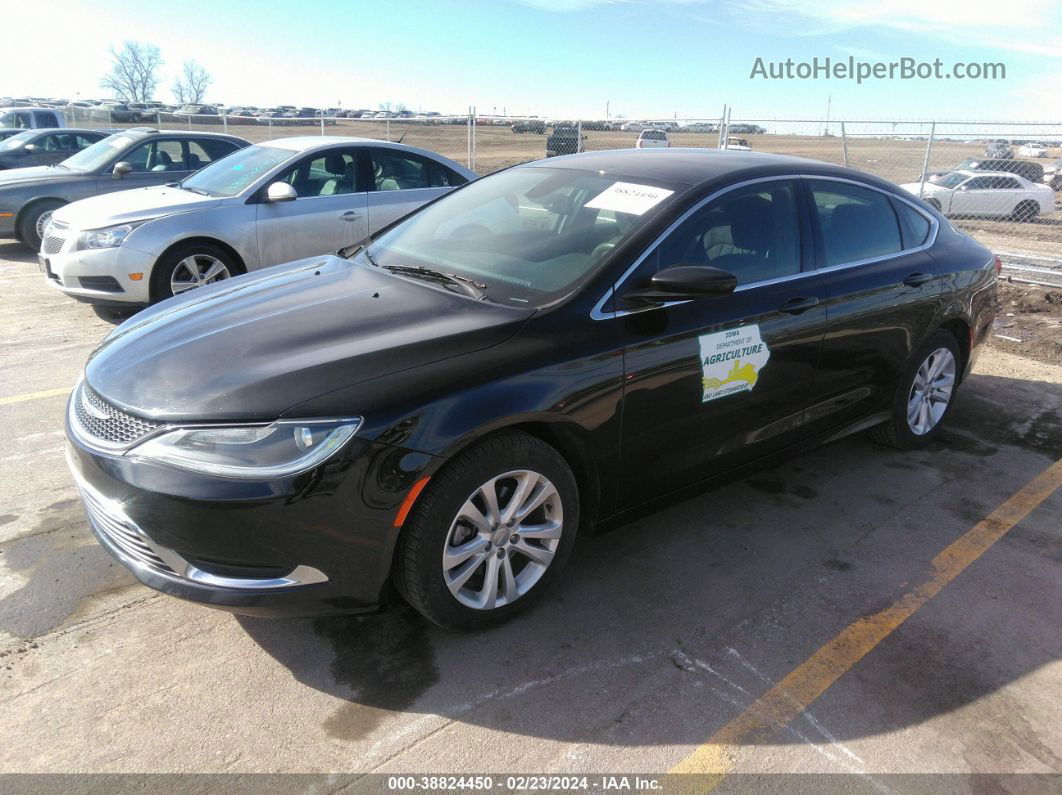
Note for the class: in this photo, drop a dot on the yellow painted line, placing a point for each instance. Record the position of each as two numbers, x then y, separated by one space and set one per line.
796 692
47 393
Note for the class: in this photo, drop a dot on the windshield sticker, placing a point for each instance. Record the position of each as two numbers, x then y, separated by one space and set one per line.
627 197
731 361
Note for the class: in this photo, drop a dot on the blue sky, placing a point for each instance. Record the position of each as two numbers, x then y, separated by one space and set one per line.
646 58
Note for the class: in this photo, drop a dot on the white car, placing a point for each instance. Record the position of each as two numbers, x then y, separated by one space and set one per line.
651 139
1032 150
737 144
987 193
266 204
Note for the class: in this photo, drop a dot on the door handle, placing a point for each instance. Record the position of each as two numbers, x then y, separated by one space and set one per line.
918 279
350 215
794 306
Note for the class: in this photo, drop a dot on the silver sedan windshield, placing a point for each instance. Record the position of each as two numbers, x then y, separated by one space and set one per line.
231 175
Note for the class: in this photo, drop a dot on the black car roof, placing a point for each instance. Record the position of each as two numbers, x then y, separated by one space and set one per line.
689 166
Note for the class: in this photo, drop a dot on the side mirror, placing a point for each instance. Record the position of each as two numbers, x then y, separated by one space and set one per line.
280 192
31 148
684 283
121 168
964 187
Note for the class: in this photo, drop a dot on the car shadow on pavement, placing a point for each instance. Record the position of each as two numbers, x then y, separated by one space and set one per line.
664 629
14 251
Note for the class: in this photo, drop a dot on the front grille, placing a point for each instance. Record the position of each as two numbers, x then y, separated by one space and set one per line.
54 237
99 419
122 532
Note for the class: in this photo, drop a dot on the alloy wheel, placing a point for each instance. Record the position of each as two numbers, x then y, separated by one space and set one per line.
195 271
43 220
931 391
503 539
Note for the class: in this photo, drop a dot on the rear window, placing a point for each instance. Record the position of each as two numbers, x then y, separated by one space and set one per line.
913 225
857 223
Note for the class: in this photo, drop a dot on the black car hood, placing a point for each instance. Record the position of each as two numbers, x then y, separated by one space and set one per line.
251 347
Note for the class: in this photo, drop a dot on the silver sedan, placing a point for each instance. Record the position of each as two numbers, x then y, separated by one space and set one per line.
267 204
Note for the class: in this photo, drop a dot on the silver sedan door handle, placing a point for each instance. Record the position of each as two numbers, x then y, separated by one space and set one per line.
350 215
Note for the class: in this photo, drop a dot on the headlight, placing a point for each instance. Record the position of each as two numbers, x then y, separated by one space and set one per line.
111 237
282 449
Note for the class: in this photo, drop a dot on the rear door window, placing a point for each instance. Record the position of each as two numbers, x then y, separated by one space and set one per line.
857 223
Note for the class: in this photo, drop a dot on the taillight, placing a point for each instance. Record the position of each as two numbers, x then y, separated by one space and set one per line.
999 266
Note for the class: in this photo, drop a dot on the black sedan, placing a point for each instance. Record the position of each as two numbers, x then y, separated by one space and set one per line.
46 147
447 405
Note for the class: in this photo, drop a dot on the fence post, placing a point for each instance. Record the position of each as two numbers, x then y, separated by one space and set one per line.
225 121
925 162
473 165
387 129
722 123
322 122
578 136
269 124
158 119
844 145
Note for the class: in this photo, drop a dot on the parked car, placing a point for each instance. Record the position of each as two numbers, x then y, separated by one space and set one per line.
987 193
998 151
134 158
529 126
119 112
31 118
266 204
46 147
1053 175
737 144
650 139
446 412
564 139
8 132
1032 150
192 109
1033 172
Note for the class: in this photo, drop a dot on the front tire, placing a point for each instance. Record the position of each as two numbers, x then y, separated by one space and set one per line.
190 266
925 394
489 534
33 221
1026 211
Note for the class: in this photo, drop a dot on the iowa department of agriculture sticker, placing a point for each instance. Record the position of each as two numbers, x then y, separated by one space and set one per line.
731 361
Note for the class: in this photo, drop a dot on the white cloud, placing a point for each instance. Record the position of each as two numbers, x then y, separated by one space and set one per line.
1031 27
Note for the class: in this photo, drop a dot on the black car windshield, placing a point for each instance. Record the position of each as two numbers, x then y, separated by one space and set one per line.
531 235
100 153
18 141
233 173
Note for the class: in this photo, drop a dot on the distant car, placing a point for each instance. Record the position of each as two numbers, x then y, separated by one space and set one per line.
7 132
134 158
46 147
529 126
998 151
1032 150
191 109
120 112
1033 172
987 193
700 127
1053 175
31 118
737 144
264 205
650 139
565 139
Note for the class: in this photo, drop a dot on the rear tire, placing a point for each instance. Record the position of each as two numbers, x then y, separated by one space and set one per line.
33 220
925 394
465 565
1026 211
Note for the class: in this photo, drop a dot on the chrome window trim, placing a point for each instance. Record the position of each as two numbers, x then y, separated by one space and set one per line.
599 313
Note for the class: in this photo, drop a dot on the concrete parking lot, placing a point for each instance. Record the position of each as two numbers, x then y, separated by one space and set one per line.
853 610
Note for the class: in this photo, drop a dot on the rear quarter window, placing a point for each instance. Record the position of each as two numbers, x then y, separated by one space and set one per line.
913 225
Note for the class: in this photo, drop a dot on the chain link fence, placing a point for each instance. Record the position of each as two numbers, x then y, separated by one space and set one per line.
1014 204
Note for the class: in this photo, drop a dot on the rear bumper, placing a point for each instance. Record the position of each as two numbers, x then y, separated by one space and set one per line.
317 544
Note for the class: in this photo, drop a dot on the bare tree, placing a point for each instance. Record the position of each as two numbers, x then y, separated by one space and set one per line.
192 84
385 106
134 71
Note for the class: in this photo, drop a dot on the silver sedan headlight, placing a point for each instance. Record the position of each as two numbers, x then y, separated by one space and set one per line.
109 237
280 449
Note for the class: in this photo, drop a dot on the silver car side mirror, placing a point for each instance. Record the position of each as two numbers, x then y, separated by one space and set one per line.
121 168
280 192
31 148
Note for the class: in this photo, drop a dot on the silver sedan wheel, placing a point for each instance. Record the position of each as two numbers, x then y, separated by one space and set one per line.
503 539
931 391
195 271
43 220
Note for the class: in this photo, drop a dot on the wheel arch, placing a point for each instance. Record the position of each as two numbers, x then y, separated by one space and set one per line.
185 241
33 203
961 330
